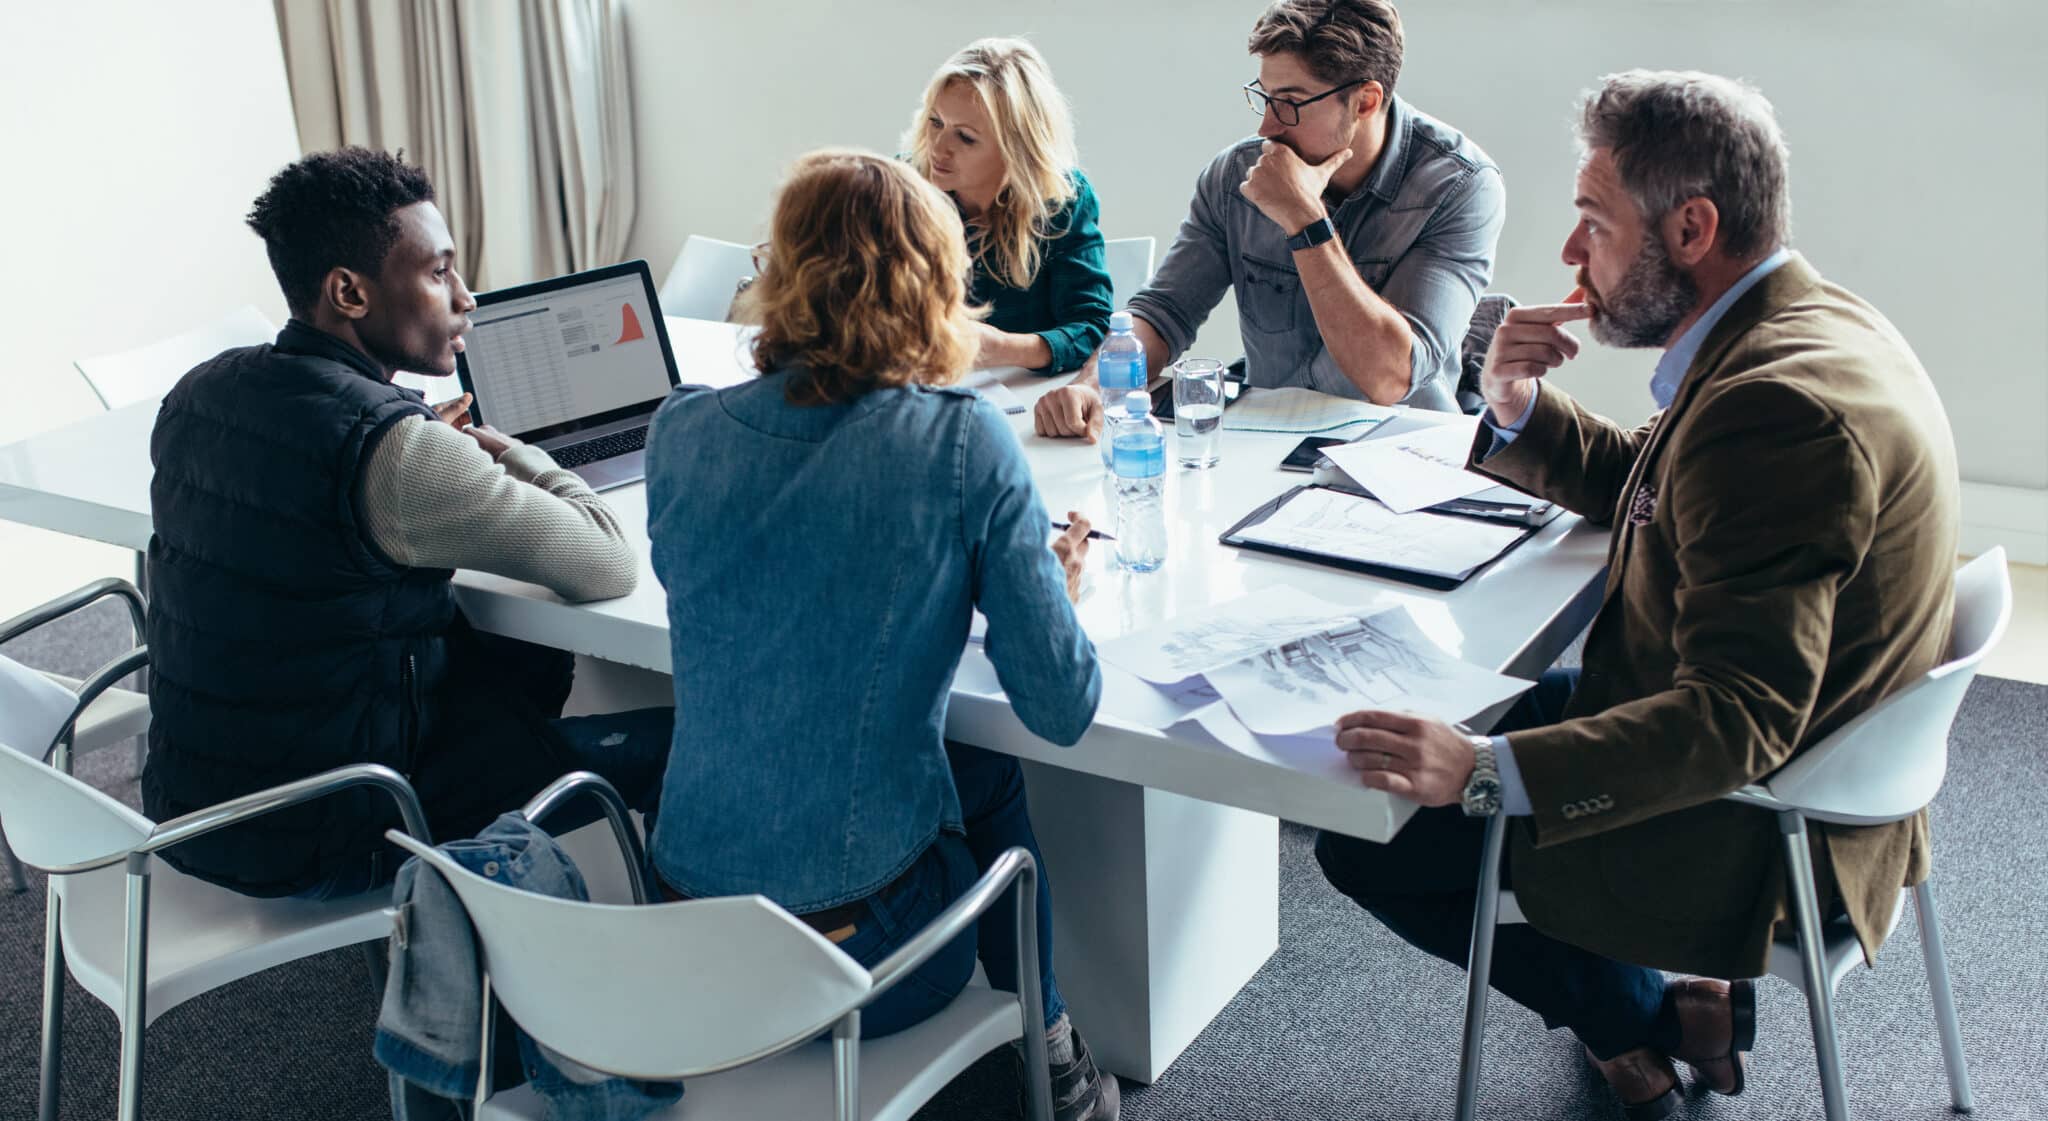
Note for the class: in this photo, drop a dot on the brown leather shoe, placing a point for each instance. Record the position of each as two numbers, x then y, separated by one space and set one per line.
1716 1023
1644 1081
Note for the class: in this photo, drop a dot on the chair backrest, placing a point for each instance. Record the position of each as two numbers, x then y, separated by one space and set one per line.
1889 761
151 370
1129 260
32 707
52 820
705 278
1486 317
664 991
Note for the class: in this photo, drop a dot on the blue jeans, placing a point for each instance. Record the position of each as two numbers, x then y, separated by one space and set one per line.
1422 886
996 818
630 749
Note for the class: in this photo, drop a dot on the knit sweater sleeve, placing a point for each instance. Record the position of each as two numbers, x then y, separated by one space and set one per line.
431 498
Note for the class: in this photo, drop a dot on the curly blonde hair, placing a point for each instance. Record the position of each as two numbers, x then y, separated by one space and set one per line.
1034 133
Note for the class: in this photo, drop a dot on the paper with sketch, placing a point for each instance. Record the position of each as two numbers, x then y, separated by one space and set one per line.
1350 527
1190 644
1414 469
1380 660
1130 700
1302 410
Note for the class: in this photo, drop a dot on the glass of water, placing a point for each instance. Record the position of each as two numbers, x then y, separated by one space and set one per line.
1198 411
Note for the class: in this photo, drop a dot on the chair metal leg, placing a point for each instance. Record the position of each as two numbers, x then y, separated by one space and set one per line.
141 675
1479 967
15 877
52 1066
1037 1080
1813 967
846 1066
134 988
1936 955
376 959
487 1050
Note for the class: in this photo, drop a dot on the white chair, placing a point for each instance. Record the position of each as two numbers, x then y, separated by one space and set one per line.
1129 260
707 274
110 714
150 371
733 994
1883 766
136 934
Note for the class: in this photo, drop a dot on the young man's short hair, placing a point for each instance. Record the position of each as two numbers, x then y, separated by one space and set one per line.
334 209
1340 40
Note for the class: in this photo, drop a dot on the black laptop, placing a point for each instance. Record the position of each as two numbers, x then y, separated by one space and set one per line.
575 365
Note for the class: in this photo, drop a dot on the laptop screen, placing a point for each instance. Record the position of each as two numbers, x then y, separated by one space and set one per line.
566 354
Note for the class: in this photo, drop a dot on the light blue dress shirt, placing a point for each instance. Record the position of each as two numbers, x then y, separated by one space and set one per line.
1671 367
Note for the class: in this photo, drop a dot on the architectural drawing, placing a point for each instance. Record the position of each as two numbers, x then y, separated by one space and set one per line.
1211 642
1379 661
1197 643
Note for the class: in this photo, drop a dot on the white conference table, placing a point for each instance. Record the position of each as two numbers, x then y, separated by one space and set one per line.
1163 850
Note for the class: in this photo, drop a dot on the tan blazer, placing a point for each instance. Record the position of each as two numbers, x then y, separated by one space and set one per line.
1783 557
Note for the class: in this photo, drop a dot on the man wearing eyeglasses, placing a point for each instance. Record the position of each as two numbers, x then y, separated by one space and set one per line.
1357 232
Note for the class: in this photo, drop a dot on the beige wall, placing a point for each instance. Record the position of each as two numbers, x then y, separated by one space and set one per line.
137 133
1919 135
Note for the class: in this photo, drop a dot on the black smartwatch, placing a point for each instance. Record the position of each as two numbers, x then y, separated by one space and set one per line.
1312 235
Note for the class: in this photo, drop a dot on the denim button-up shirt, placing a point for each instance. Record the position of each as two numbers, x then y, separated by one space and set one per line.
1422 230
822 565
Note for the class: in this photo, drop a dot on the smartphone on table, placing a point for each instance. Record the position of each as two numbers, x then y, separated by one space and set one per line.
1303 457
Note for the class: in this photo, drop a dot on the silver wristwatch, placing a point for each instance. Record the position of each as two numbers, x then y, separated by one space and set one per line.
1482 790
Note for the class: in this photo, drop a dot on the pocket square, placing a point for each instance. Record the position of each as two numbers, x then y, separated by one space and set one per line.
1643 506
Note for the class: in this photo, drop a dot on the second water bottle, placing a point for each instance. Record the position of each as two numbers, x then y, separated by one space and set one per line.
1138 460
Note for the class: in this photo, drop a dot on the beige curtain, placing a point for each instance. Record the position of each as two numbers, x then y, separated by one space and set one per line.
519 111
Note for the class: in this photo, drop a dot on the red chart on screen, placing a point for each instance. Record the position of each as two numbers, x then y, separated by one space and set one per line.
630 329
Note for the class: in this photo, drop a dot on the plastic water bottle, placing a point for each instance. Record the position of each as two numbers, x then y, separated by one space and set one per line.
1139 463
1119 369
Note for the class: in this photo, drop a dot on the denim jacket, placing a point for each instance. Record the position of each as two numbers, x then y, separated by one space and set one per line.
1422 230
822 564
427 1029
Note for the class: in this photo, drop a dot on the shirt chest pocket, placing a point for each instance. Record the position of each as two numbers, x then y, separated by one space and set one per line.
1268 296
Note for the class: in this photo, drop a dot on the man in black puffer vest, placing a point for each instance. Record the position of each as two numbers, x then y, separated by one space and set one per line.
309 514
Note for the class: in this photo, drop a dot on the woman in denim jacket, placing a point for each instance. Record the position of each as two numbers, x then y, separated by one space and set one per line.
825 533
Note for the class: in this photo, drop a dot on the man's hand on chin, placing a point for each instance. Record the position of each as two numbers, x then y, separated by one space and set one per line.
1288 189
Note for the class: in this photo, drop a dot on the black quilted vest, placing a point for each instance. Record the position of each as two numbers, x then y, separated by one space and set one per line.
283 642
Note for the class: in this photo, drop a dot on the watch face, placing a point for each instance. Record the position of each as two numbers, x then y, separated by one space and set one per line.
1482 796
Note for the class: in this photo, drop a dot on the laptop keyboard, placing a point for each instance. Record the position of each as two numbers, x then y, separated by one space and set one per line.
603 447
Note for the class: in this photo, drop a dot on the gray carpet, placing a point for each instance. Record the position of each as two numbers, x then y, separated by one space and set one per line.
1344 1022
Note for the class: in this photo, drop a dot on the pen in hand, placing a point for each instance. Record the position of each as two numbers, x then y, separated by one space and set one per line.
1094 533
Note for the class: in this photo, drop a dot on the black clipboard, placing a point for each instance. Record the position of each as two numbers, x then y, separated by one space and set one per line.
1234 536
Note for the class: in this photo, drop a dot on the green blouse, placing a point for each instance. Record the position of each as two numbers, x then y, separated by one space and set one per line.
1068 303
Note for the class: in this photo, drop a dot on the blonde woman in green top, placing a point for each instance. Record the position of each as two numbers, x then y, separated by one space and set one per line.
994 133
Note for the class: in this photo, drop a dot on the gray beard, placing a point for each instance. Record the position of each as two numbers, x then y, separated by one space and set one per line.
1653 298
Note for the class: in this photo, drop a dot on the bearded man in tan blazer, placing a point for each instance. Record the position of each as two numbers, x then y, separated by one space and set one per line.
1784 539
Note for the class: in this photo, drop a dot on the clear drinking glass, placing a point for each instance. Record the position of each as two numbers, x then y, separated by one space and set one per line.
1198 411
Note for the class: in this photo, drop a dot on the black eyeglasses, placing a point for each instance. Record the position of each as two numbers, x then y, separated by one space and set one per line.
1286 110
